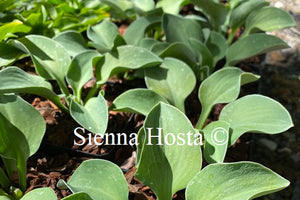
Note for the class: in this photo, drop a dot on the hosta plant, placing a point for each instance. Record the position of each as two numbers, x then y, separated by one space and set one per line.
173 54
20 137
169 150
204 42
92 180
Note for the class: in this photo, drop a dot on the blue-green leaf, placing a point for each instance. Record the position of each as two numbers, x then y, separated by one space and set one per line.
234 181
255 113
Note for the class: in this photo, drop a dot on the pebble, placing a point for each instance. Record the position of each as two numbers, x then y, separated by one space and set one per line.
285 150
295 158
271 145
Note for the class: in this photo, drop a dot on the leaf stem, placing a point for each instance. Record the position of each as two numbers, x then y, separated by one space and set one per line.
63 88
57 102
202 118
4 181
231 36
4 194
22 173
93 92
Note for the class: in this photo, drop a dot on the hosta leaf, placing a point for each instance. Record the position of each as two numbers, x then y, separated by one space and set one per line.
216 135
16 111
129 57
51 60
17 140
179 51
103 35
72 41
4 196
144 5
8 54
100 179
268 19
78 196
234 181
204 57
81 70
255 113
164 81
140 146
119 6
15 26
240 13
179 29
221 87
217 45
252 45
215 12
137 29
170 6
137 101
168 167
148 43
93 116
15 80
40 193
160 47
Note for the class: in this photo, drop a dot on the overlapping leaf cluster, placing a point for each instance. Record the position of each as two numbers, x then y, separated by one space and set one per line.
172 53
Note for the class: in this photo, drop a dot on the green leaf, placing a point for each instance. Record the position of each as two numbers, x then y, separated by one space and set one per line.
51 60
104 36
93 116
170 6
144 5
72 41
148 43
222 86
205 59
268 19
255 113
128 57
234 181
40 193
179 51
78 196
217 45
137 101
119 6
4 196
81 71
15 26
15 80
179 29
16 111
203 53
8 54
252 45
215 12
140 146
240 13
168 167
16 139
100 179
173 80
216 135
137 29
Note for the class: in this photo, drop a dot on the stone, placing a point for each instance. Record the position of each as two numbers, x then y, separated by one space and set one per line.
271 145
